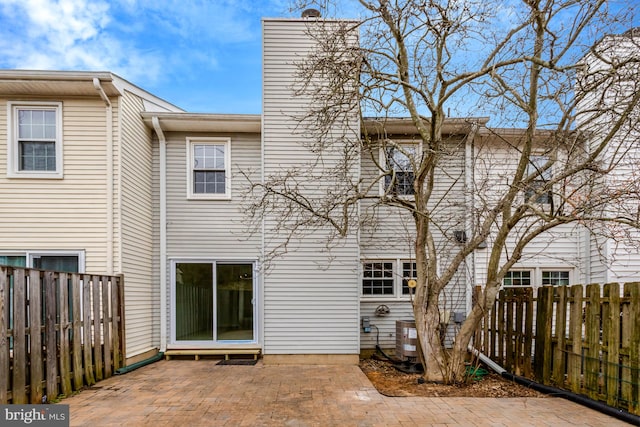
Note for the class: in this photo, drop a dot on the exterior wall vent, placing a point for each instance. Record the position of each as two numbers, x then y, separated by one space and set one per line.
311 13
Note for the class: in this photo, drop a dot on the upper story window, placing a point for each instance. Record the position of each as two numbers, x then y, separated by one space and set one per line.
34 145
535 167
209 168
398 161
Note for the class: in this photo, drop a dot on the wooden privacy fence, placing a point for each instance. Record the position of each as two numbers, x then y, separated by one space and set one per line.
585 339
58 332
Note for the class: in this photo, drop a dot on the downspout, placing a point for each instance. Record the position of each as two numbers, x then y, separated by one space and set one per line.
110 208
163 232
470 208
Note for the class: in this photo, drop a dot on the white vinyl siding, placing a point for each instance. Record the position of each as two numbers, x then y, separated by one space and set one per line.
310 296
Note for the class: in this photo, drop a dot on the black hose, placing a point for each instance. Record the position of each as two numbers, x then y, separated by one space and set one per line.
577 398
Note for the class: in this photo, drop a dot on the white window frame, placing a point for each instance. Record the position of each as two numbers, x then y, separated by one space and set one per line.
537 161
257 313
398 278
383 159
13 151
191 143
536 275
30 255
532 278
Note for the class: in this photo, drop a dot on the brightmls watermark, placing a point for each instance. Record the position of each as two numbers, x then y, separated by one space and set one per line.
34 415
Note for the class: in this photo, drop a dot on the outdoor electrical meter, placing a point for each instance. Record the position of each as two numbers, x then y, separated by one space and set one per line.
366 324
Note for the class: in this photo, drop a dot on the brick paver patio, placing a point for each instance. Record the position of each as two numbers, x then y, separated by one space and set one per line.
199 393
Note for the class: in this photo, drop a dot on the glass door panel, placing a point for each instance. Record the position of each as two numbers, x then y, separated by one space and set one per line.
194 302
234 296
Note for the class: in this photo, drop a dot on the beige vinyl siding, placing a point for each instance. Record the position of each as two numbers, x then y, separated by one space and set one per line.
136 227
310 296
61 214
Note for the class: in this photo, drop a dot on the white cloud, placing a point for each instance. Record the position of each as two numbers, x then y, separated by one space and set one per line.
68 34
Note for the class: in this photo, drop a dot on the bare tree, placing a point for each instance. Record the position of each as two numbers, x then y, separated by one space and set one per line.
460 184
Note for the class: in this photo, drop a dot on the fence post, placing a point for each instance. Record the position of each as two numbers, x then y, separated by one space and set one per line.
575 335
5 273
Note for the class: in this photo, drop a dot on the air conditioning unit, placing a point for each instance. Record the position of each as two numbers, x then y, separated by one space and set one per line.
406 340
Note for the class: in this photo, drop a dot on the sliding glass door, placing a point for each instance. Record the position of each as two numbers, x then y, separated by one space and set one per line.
213 302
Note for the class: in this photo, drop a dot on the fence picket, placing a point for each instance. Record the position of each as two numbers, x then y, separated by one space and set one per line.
559 355
35 336
611 339
53 329
97 330
106 327
633 292
50 335
575 335
90 379
585 342
19 393
76 341
592 341
64 351
4 342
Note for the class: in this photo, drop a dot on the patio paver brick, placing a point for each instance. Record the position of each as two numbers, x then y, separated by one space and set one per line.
199 393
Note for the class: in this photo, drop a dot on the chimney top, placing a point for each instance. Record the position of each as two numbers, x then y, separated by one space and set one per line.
311 13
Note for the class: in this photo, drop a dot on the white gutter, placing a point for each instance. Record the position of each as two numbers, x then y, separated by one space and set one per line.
110 209
163 232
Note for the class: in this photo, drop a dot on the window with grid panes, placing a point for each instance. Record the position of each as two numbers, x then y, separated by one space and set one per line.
408 272
517 278
377 278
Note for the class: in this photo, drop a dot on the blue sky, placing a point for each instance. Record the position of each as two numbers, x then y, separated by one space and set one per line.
202 55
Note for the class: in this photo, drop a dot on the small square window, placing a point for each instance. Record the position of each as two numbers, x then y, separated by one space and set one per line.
208 168
34 144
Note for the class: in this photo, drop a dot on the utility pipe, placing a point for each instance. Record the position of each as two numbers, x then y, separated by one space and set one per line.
557 392
163 232
110 208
